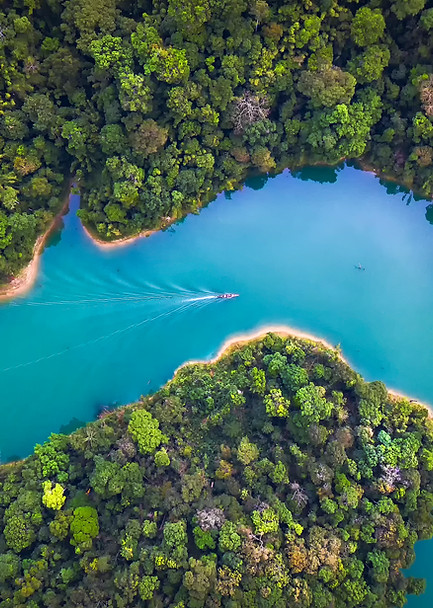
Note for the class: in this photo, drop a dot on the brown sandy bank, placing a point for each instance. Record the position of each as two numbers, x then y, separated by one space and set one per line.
288 332
127 240
25 280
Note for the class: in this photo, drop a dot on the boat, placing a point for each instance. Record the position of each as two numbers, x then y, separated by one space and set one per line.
359 267
227 296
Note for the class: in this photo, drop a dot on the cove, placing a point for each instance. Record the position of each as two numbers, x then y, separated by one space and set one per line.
290 251
88 335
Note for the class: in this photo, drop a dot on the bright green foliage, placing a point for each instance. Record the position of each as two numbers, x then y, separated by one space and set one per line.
276 364
229 539
84 528
313 404
161 458
169 65
144 429
370 405
175 534
368 26
258 381
279 473
109 53
276 404
294 377
203 539
53 497
265 522
369 65
150 529
380 565
147 587
247 452
52 455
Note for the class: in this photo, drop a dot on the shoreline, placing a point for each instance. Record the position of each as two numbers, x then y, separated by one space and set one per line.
286 331
27 277
126 240
22 283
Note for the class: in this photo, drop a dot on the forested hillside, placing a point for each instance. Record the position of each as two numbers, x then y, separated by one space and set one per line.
275 477
156 106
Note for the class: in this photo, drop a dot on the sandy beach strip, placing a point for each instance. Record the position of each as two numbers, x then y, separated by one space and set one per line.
285 331
25 280
280 330
127 240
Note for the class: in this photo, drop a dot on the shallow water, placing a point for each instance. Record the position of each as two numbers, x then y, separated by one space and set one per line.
88 336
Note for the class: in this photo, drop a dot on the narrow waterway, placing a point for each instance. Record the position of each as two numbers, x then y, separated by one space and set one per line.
102 327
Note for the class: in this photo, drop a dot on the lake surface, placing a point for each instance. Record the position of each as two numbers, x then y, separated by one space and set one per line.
103 326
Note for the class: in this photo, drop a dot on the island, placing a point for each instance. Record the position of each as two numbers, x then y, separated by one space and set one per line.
273 476
155 107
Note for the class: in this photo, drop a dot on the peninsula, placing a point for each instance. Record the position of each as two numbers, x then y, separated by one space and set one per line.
271 476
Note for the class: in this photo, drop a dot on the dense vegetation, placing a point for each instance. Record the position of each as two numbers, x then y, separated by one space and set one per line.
276 477
157 105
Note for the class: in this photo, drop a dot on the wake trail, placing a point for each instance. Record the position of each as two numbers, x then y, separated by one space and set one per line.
132 297
179 309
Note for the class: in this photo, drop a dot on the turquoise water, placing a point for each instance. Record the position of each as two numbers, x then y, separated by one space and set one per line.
90 335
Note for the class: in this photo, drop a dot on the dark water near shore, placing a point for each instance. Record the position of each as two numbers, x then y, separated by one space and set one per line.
102 327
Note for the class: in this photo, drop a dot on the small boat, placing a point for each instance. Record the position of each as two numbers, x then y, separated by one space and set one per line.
227 296
359 267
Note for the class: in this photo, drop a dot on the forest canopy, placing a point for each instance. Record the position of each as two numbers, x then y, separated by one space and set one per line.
274 477
156 106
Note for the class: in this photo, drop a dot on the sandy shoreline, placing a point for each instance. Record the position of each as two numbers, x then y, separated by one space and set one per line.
25 280
120 242
239 339
127 240
286 332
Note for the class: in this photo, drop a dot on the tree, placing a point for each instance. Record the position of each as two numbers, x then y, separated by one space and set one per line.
169 65
161 458
9 566
249 109
19 532
147 587
369 65
84 528
229 539
189 15
368 26
53 497
277 405
111 54
312 402
247 452
327 86
407 8
144 429
112 139
149 138
260 10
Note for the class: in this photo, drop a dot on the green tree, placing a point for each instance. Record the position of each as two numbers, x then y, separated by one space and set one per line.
84 528
327 87
276 404
145 430
53 497
368 26
247 452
